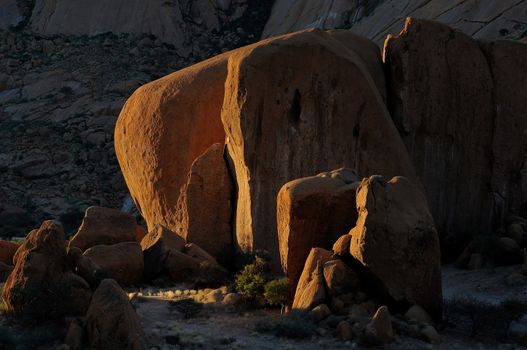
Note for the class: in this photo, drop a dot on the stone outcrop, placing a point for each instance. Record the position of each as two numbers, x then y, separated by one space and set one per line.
163 127
314 212
42 286
376 19
396 242
104 226
7 251
461 122
123 262
284 123
111 321
340 278
204 210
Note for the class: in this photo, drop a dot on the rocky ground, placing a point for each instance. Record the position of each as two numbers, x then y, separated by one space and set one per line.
60 97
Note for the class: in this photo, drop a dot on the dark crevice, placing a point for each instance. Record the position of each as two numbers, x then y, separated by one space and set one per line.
296 109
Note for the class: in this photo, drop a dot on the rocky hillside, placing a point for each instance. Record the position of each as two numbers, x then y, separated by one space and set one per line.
482 19
61 91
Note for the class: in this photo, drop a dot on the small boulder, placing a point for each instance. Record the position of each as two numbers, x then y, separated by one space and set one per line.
122 262
358 313
7 251
417 313
314 212
379 330
111 322
344 331
429 334
76 336
85 267
156 246
339 278
232 299
42 285
182 267
104 226
311 289
318 313
508 252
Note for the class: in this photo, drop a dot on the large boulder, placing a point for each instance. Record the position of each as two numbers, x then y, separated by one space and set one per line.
123 261
396 242
285 123
311 289
441 90
7 251
204 210
111 321
104 226
314 212
42 286
163 127
508 65
156 246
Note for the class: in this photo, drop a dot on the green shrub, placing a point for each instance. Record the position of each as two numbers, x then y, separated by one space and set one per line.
251 281
276 292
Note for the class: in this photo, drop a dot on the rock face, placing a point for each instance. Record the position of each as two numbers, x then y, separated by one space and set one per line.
123 261
162 129
7 252
168 21
376 19
508 64
42 286
477 132
284 124
111 321
396 241
205 204
104 226
314 212
10 14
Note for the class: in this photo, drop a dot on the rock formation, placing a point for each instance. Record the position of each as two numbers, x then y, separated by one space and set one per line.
162 129
7 251
104 226
111 321
204 209
122 262
459 122
314 212
323 114
395 240
42 286
310 289
10 14
376 19
156 247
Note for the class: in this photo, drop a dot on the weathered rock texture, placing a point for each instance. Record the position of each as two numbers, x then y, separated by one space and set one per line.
311 289
162 129
396 241
104 226
314 212
123 261
111 321
459 111
314 107
170 21
204 210
7 251
10 14
42 286
375 19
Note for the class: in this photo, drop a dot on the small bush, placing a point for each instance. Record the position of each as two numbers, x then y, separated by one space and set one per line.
276 292
295 325
251 281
